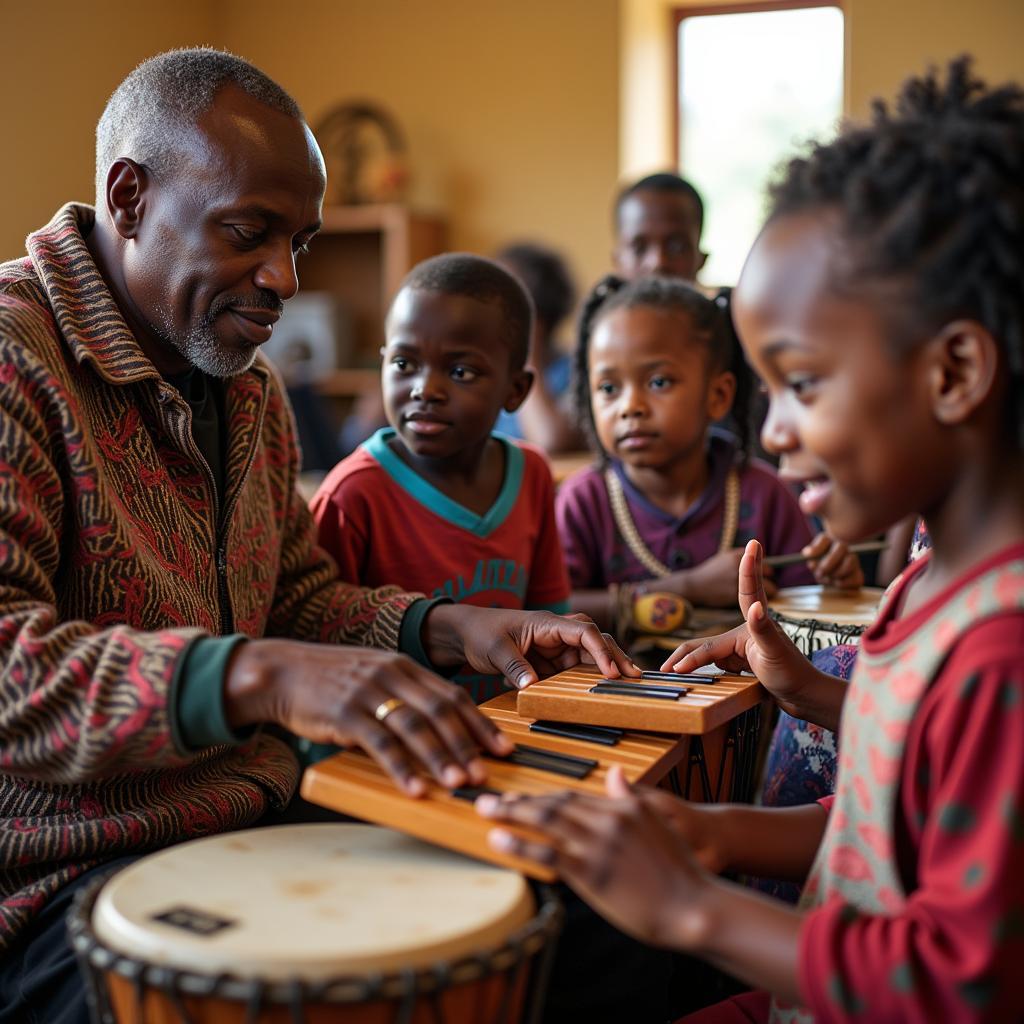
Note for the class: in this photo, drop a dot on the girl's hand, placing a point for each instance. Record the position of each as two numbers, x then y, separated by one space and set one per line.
833 563
623 854
712 584
759 645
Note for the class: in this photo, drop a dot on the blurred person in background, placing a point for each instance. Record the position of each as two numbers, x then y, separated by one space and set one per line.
545 418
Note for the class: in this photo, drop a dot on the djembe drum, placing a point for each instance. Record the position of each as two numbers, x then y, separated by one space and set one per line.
313 923
816 617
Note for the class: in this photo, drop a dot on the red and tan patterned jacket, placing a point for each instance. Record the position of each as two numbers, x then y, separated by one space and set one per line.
109 569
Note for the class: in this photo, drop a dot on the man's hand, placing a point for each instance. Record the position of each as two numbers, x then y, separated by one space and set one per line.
521 646
400 713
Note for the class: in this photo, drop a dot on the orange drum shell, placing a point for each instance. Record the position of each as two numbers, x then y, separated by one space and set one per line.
474 1001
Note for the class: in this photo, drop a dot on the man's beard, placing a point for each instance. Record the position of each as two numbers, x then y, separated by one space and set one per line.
200 345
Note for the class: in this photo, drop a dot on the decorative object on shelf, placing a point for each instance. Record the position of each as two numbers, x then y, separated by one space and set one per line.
365 153
312 339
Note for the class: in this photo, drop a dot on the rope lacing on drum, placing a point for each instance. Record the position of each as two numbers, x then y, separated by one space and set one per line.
407 1006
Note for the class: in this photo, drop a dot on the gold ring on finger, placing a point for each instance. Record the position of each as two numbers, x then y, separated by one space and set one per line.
386 707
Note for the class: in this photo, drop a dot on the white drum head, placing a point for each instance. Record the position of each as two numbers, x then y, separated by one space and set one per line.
843 607
308 901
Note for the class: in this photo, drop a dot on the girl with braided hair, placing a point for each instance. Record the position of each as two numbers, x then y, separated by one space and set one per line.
660 523
883 306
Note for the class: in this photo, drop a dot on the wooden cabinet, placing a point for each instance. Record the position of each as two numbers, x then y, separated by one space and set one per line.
361 255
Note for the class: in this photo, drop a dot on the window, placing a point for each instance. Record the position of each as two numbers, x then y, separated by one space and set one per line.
753 86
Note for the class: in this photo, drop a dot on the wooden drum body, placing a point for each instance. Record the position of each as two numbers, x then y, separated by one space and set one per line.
816 617
312 923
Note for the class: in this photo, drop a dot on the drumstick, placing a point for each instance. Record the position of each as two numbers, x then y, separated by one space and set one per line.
777 561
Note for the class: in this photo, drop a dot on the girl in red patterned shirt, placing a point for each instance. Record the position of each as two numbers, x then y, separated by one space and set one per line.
883 306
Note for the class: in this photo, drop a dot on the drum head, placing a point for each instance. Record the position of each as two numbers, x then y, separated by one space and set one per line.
309 902
844 607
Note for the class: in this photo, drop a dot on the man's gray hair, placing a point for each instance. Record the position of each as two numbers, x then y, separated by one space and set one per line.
164 97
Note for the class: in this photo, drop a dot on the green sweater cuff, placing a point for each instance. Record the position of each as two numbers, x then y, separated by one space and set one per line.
410 634
197 695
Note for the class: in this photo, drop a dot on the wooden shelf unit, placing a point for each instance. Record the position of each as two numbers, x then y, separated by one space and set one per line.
361 255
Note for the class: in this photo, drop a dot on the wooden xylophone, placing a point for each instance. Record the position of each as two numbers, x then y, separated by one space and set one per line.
352 783
659 701
549 755
718 717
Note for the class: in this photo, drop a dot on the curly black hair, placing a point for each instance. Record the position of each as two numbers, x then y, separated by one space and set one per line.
465 273
664 181
712 325
930 194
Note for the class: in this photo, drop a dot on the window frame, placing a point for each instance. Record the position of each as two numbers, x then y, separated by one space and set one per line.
681 12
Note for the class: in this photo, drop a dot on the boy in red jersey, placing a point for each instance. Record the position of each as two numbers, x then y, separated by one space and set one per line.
436 501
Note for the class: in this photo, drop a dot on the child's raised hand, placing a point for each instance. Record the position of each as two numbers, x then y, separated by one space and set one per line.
759 645
624 854
833 563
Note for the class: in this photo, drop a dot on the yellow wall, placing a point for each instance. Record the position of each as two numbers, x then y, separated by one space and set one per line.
511 109
522 116
62 59
888 39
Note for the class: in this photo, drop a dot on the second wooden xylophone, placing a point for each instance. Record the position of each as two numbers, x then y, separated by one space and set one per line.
549 755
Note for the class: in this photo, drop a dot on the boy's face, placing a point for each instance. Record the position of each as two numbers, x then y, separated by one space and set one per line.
447 372
851 418
658 233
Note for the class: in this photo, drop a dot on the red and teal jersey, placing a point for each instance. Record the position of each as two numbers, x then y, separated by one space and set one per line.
382 521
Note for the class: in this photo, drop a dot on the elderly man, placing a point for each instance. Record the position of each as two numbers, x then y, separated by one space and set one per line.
160 591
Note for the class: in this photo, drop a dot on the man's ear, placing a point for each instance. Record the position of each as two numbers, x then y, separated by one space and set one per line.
720 394
126 187
702 258
964 364
519 389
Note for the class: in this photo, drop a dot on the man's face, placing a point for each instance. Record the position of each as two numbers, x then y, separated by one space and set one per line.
213 259
658 233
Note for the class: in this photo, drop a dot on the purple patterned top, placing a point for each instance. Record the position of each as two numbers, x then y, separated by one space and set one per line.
596 555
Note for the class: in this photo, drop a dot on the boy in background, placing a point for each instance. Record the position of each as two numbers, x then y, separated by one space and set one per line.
546 417
658 221
434 500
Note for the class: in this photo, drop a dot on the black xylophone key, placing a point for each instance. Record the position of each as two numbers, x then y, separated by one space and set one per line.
551 761
472 792
602 734
620 689
678 677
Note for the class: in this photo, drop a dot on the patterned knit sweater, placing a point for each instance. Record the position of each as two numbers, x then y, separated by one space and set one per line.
112 563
